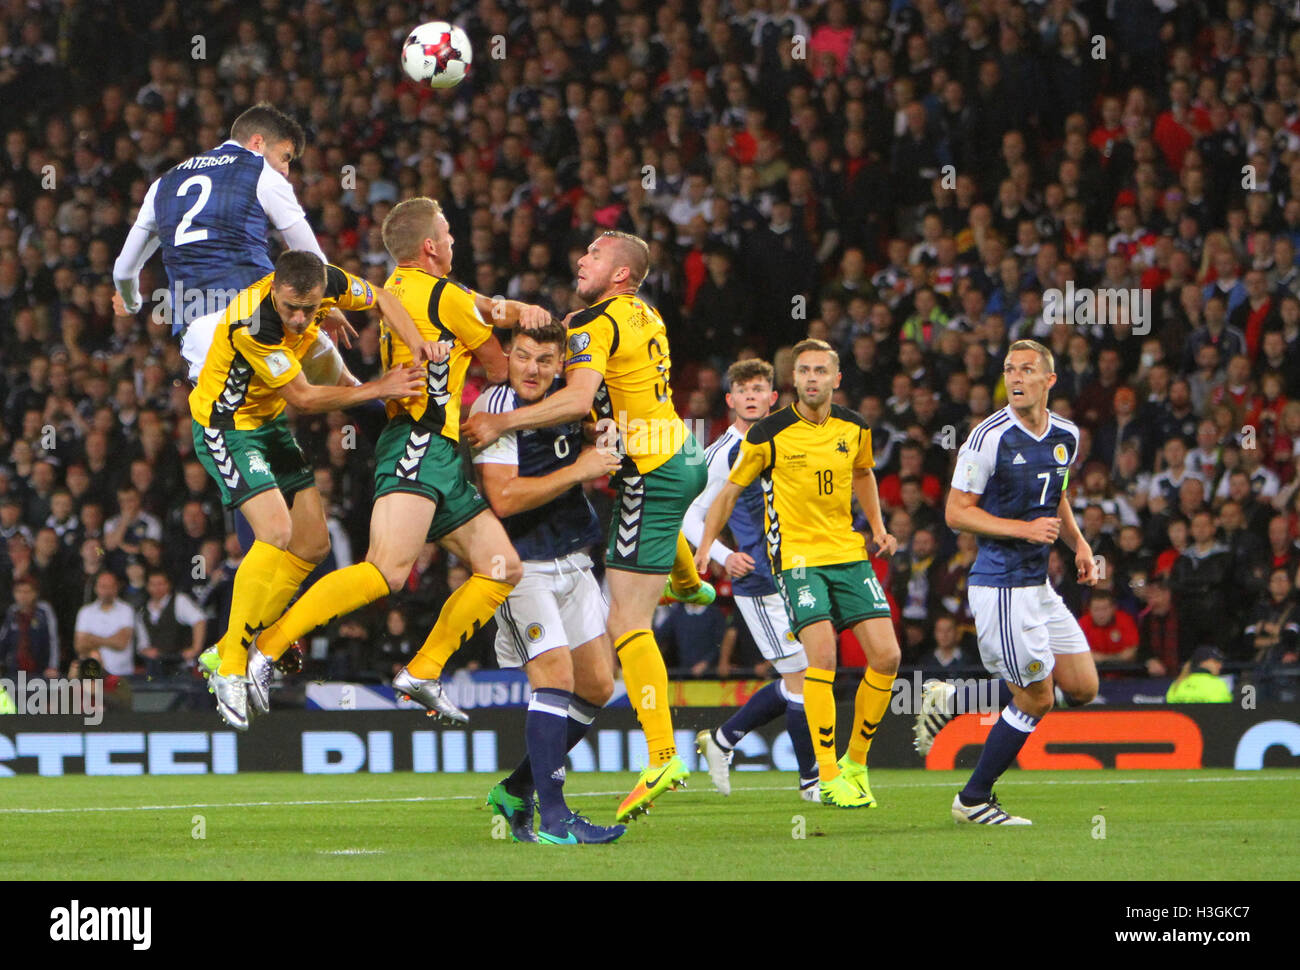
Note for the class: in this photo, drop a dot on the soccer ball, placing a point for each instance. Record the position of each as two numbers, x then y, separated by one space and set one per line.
437 54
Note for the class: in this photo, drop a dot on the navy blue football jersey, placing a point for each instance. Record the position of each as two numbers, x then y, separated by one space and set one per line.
564 525
1017 476
213 214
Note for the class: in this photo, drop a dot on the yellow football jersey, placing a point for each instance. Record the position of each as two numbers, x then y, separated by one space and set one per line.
253 353
807 482
442 310
625 340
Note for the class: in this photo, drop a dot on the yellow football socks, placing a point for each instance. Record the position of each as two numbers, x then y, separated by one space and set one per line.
462 616
684 577
869 706
646 679
247 602
335 594
289 575
819 707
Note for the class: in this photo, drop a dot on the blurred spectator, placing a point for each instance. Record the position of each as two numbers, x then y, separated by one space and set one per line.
104 627
29 634
1111 633
169 628
1273 630
947 650
1199 681
693 635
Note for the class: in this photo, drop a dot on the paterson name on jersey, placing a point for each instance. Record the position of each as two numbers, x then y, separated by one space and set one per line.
213 214
1017 476
567 523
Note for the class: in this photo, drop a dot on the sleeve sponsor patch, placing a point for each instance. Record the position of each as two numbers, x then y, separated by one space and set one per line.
277 362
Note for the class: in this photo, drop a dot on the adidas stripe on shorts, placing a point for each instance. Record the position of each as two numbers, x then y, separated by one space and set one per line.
1021 629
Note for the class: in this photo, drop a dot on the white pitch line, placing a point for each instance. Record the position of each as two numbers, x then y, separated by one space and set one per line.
1028 782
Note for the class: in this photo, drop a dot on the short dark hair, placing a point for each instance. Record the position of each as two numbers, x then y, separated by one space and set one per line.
299 270
551 333
272 124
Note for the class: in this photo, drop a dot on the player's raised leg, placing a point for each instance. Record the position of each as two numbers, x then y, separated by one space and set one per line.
309 544
495 565
398 524
685 585
272 525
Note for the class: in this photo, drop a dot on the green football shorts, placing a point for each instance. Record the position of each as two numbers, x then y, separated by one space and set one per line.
411 458
648 510
845 594
247 463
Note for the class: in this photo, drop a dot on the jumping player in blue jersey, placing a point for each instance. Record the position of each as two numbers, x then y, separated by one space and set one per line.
211 215
751 397
553 622
1009 490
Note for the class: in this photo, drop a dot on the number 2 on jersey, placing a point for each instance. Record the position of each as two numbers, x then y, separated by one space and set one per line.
184 234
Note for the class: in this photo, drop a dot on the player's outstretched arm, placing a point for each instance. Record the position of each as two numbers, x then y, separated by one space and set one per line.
493 359
868 493
395 316
963 514
139 246
570 403
511 313
509 493
398 382
719 512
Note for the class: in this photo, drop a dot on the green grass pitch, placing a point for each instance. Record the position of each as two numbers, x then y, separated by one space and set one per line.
1111 825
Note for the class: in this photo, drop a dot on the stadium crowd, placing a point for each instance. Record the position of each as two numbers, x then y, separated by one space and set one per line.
913 181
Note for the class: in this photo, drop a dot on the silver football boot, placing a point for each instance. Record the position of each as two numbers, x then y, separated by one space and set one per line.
431 694
260 670
232 699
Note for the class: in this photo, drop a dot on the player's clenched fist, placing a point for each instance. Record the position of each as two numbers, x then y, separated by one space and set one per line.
702 560
1043 530
480 430
739 564
532 317
435 352
886 545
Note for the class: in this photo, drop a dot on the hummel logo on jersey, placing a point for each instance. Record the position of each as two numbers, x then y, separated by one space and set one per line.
1019 459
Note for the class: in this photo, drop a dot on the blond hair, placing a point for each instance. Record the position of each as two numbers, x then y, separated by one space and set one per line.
408 225
1037 348
812 343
